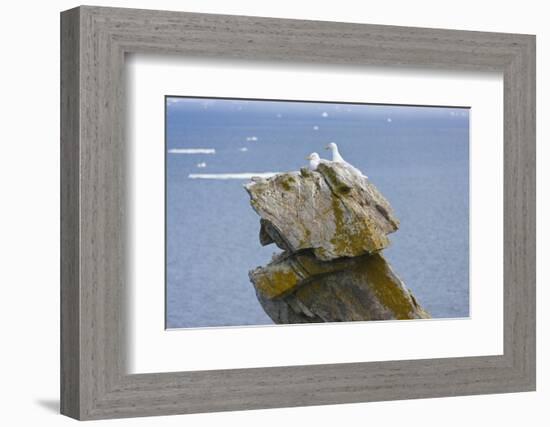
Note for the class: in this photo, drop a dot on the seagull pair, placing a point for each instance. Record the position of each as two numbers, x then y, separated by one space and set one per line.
314 158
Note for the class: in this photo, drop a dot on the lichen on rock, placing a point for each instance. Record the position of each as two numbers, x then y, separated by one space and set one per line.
360 288
332 225
334 211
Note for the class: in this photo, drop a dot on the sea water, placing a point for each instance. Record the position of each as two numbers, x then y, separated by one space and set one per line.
418 157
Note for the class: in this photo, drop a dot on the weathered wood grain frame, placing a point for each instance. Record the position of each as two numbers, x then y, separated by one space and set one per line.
94 41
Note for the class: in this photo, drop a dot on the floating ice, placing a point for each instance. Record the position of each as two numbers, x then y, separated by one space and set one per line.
201 164
243 175
192 151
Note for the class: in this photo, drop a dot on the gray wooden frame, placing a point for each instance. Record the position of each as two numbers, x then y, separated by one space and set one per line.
94 41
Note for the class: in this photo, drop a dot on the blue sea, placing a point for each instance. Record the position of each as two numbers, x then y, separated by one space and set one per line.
418 157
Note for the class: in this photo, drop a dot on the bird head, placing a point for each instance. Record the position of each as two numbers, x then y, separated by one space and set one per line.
313 156
331 146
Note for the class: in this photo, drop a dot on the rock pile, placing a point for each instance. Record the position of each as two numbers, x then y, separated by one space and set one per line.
331 225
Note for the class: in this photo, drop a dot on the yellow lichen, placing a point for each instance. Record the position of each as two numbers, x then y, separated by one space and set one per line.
276 281
287 181
362 238
387 287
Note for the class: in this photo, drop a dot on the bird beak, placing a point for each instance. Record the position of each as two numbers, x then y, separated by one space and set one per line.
308 158
327 147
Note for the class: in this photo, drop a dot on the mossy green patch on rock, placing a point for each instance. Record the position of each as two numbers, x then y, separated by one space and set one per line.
287 182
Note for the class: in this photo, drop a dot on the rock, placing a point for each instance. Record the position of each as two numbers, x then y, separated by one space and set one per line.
332 225
334 211
287 271
299 288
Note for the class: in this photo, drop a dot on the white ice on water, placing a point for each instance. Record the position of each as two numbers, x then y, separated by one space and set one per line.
192 151
223 176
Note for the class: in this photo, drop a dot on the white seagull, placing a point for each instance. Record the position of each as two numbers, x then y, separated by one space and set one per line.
337 158
314 161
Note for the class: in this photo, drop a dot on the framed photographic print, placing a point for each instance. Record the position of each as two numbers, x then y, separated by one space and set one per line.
261 213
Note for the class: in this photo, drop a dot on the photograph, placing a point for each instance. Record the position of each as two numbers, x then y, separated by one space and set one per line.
297 211
327 213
